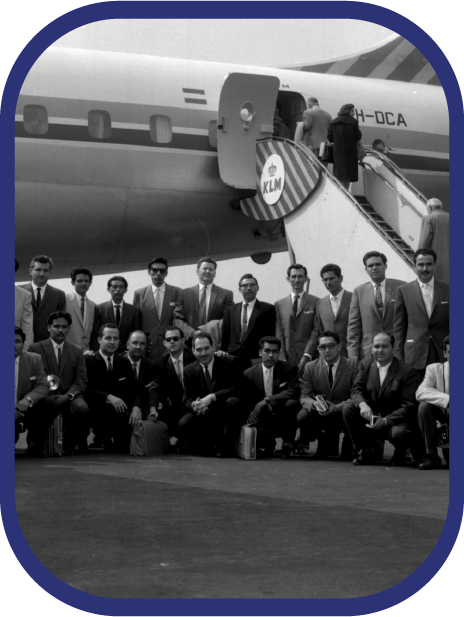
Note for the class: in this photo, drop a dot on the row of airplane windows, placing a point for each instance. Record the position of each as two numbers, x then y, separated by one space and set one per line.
35 120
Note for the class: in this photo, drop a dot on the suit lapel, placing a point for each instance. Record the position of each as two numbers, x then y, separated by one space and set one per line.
392 369
418 296
303 303
276 377
344 305
166 302
388 294
374 375
149 299
51 357
437 291
253 317
212 300
371 295
77 309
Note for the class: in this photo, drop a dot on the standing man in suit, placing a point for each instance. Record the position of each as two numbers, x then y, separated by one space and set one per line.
383 404
126 317
144 373
296 320
316 125
45 298
66 361
271 391
23 312
83 330
422 315
372 306
31 386
156 304
332 311
246 323
332 377
202 303
435 235
211 407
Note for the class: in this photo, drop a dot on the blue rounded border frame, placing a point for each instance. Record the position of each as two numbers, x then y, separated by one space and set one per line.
222 10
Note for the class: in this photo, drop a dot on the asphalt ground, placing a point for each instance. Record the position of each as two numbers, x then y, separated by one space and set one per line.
194 527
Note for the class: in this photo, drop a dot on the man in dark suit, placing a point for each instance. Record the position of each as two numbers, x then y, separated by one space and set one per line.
371 307
421 319
144 373
383 404
202 303
125 316
157 303
270 391
45 298
112 392
210 405
31 386
66 361
246 323
331 377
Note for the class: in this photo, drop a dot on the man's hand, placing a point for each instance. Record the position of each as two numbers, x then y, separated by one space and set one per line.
253 418
366 411
89 352
18 415
135 416
199 407
22 405
220 353
153 414
61 399
352 362
379 423
332 409
117 403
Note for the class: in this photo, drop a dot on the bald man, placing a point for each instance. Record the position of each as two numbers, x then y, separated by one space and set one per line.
435 235
316 125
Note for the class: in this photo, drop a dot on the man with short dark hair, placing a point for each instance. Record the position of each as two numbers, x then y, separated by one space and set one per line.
435 235
144 373
23 312
83 331
125 316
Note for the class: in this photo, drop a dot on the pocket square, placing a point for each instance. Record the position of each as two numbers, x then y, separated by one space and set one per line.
445 302
411 340
283 384
33 378
122 379
172 304
307 312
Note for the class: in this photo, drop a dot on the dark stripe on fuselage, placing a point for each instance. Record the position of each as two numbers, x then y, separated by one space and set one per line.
197 101
421 163
192 91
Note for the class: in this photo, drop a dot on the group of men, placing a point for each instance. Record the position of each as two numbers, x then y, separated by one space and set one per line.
205 366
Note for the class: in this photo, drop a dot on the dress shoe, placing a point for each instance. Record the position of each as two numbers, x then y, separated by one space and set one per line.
287 449
399 459
431 462
364 458
301 451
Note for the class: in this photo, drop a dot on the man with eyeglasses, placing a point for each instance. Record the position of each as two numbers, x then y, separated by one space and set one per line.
332 378
157 302
125 316
246 323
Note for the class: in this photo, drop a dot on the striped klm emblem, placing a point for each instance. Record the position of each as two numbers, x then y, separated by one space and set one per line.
300 179
192 95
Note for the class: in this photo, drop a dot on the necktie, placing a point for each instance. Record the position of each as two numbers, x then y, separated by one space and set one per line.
378 300
39 297
331 377
59 357
244 322
16 381
203 307
334 302
134 368
178 371
209 382
158 301
267 382
295 305
118 314
82 308
427 294
110 366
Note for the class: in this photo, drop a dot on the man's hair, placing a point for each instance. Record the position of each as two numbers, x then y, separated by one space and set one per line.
327 334
434 203
445 342
331 268
21 333
209 260
173 329
77 271
16 265
270 340
313 100
374 254
202 335
136 332
158 260
376 142
420 252
390 336
59 315
118 277
113 326
247 276
296 267
42 259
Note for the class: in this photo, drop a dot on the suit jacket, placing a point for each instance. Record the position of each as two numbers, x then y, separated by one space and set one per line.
131 320
146 376
150 322
53 300
169 389
413 329
364 319
317 122
224 381
434 388
119 382
262 322
326 321
395 399
285 385
80 334
186 312
298 335
32 381
315 381
23 314
435 235
72 372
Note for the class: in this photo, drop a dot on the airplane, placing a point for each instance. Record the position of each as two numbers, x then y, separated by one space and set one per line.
120 156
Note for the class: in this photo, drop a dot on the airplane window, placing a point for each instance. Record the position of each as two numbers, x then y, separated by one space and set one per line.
35 119
212 133
99 124
161 129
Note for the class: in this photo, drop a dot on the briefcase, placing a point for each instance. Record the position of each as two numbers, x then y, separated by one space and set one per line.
246 443
54 442
149 438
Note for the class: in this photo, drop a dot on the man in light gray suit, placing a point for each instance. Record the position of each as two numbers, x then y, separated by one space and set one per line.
83 331
435 235
316 124
23 312
372 306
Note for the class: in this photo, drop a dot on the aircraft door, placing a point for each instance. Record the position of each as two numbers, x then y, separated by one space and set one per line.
246 113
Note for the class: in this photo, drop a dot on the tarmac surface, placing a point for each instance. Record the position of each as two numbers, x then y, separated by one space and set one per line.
191 527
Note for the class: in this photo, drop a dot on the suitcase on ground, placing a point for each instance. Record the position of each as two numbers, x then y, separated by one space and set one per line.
149 438
246 443
54 442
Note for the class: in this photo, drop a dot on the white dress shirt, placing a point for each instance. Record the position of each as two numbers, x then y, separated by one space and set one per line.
334 368
120 308
249 310
335 302
55 349
383 370
427 294
42 291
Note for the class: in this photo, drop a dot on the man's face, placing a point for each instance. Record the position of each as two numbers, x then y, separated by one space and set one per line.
203 350
59 330
380 147
117 289
173 341
375 268
136 346
158 272
382 349
206 273
40 273
446 353
329 349
109 341
249 289
297 280
269 354
424 268
18 345
81 284
332 282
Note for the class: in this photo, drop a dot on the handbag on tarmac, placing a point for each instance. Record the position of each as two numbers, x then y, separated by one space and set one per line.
149 438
